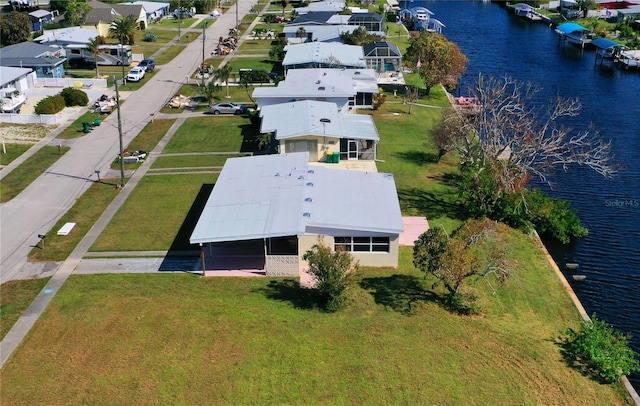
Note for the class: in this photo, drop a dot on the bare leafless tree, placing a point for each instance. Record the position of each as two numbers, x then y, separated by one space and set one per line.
515 137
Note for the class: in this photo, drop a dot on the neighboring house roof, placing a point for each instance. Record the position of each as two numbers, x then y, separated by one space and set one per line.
314 17
370 48
322 6
70 35
9 74
339 19
320 52
151 6
321 33
321 82
365 17
127 9
281 195
31 62
312 117
101 15
28 50
40 13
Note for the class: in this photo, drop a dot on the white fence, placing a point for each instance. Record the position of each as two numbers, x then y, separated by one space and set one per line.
137 57
71 82
11 118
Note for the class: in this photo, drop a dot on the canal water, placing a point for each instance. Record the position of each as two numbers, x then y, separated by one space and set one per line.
498 44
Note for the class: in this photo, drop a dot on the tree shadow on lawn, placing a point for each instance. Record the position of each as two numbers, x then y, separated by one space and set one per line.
398 292
430 204
417 157
289 290
251 141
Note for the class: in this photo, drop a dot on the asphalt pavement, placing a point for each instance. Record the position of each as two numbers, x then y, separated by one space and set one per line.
36 210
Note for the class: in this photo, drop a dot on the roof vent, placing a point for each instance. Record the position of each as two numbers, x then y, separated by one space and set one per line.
308 199
310 171
300 177
318 82
310 184
306 214
356 72
321 88
277 173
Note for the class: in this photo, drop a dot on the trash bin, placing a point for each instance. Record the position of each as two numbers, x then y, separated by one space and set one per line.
336 158
86 127
97 122
329 157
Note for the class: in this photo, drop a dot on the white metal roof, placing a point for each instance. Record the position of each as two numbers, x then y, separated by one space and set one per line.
310 83
324 52
10 74
70 35
280 195
320 33
312 117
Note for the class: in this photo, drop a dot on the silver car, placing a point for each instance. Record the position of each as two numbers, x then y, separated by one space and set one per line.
227 108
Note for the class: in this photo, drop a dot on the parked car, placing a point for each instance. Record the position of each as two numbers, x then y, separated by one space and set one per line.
228 108
147 64
135 74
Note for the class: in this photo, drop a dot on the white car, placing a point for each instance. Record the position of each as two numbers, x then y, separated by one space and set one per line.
135 74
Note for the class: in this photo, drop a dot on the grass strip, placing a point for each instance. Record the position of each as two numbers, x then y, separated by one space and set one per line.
13 152
146 140
15 299
22 176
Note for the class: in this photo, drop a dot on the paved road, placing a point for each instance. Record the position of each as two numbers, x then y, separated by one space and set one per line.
41 205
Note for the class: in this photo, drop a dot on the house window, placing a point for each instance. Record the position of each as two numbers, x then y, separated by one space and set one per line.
361 244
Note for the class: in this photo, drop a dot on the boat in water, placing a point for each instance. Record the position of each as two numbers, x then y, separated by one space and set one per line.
420 19
630 58
528 13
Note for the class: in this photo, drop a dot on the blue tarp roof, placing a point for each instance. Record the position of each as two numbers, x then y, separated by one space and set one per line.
604 43
568 28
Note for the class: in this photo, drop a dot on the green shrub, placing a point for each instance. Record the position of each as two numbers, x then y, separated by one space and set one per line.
74 97
149 37
601 350
333 274
50 105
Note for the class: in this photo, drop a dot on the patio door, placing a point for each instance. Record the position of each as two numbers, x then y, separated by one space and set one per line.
310 146
352 150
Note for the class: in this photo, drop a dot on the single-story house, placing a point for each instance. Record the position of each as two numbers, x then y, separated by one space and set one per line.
346 88
317 127
13 84
323 55
266 211
383 56
319 33
371 21
154 10
45 61
102 15
40 18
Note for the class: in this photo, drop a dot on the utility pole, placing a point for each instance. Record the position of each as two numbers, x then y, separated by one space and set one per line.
204 40
179 16
120 134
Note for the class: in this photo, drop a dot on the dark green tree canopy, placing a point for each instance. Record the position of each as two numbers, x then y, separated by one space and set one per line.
15 27
359 36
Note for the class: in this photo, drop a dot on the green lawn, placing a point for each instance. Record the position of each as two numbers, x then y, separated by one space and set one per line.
170 22
76 129
146 140
15 299
181 339
22 176
13 152
209 134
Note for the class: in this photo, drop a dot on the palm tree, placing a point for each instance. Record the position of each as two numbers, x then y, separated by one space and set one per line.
209 90
124 29
223 74
301 33
94 48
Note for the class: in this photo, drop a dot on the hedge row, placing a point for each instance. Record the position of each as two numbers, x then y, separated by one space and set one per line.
68 97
